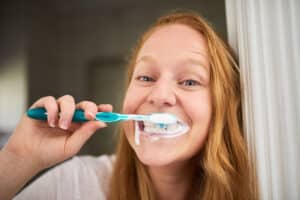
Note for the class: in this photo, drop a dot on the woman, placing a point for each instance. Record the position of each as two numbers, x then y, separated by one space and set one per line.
179 66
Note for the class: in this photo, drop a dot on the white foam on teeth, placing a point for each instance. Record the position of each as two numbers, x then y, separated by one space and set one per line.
168 129
137 132
156 131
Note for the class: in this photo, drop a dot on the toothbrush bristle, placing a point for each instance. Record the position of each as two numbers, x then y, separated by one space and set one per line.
162 126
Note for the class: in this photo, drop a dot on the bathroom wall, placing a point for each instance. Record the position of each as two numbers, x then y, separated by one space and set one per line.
80 48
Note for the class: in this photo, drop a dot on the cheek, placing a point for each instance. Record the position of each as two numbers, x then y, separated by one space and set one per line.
133 99
200 110
200 113
128 104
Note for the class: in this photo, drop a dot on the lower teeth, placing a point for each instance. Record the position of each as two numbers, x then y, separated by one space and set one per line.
157 131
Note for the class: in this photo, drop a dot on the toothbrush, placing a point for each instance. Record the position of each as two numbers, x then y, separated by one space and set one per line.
159 118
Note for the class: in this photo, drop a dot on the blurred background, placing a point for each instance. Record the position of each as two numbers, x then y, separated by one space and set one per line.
76 47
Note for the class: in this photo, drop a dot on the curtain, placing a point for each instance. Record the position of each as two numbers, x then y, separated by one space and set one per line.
266 37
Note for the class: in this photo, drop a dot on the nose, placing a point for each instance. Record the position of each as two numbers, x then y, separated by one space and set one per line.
162 94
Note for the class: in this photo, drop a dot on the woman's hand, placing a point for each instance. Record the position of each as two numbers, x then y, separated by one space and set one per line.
36 145
47 143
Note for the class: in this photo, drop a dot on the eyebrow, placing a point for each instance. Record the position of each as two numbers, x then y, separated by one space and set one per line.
189 60
197 62
146 58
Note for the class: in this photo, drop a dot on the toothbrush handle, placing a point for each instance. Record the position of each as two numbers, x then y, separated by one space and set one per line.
41 114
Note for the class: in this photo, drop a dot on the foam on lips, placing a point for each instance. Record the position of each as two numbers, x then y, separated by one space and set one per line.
156 131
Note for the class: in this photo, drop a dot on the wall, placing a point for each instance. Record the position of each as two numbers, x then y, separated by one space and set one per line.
13 67
70 42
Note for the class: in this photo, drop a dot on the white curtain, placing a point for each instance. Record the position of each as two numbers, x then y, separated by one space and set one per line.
266 37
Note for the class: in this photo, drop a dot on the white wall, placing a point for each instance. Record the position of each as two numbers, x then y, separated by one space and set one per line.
13 68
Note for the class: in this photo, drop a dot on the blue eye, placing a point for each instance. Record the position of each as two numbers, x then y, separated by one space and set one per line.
145 78
190 82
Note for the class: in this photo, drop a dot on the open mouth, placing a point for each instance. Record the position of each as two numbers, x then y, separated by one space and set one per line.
156 131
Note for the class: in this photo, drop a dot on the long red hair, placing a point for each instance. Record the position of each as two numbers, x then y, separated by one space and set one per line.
225 167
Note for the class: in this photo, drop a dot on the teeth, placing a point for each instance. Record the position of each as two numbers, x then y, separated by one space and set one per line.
165 129
157 131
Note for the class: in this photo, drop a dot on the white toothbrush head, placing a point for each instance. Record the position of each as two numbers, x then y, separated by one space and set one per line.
162 118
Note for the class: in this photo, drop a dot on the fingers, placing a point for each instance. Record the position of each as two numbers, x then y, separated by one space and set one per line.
85 131
105 107
67 108
90 109
49 103
60 112
81 135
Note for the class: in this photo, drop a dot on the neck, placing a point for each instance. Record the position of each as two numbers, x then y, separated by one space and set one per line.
174 181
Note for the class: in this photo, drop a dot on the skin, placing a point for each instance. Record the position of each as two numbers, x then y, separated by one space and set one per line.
171 75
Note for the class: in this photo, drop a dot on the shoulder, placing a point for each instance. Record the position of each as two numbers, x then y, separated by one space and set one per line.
82 177
89 164
92 163
98 169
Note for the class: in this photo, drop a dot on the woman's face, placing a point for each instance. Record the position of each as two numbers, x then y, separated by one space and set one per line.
172 74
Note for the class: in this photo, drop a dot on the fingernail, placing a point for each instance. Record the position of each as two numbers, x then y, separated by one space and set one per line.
52 124
63 125
103 124
91 115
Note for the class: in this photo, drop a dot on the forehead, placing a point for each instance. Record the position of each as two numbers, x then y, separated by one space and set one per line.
168 42
175 37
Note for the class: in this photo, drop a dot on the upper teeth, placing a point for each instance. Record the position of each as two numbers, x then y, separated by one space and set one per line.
168 129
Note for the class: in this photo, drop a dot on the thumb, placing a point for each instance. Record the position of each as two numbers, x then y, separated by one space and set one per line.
81 135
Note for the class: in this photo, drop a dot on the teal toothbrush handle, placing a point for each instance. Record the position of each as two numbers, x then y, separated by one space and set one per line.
41 114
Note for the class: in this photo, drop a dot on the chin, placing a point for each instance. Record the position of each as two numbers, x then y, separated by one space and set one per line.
152 160
158 153
162 152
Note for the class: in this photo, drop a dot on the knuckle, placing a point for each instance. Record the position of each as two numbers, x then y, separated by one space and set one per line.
67 97
88 105
50 102
49 98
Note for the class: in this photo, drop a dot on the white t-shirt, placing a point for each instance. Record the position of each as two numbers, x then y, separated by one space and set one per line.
82 177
